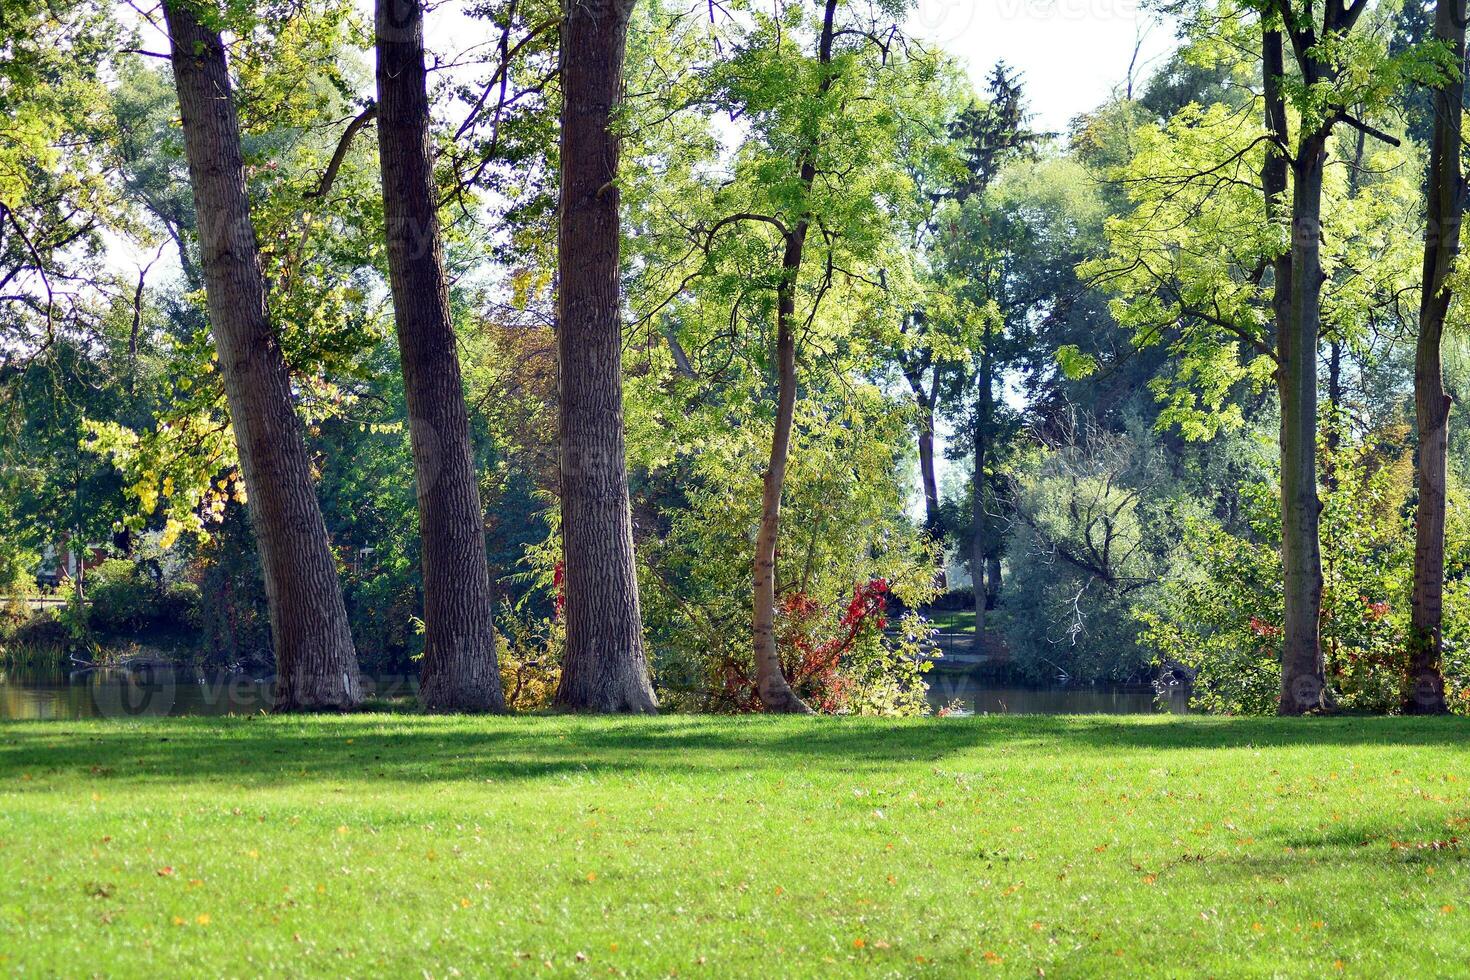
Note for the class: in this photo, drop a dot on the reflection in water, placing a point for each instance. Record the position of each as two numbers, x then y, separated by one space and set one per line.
981 697
33 693
36 693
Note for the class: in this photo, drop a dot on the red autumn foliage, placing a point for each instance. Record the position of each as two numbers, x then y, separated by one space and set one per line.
811 664
559 582
1264 629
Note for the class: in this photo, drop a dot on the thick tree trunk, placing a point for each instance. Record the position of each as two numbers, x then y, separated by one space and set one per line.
1303 678
460 672
771 686
604 668
315 664
1445 194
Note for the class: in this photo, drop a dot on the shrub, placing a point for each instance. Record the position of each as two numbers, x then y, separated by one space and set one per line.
1221 615
125 597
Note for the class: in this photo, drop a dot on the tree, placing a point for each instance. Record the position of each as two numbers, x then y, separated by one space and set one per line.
603 667
775 693
1445 192
1236 289
460 672
1298 305
316 665
989 136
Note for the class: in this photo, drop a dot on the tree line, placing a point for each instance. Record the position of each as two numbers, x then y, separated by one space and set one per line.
691 291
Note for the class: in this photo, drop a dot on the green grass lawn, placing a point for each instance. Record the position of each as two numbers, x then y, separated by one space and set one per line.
407 844
953 620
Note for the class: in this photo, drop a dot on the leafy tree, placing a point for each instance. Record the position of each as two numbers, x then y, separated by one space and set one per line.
460 670
316 664
604 666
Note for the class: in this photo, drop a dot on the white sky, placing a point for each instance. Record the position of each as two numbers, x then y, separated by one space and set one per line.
1071 53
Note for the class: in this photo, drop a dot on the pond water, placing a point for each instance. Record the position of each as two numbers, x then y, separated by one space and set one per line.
36 693
981 696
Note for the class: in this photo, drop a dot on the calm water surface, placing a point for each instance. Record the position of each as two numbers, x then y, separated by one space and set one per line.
36 693
30 693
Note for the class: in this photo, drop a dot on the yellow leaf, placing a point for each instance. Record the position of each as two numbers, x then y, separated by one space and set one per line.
202 918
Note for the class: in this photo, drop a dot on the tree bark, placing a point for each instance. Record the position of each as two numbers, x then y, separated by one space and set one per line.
604 667
979 516
771 686
933 523
1303 678
926 468
460 670
1445 195
316 666
922 375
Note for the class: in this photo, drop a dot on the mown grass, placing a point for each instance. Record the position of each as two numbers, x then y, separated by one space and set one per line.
953 620
404 844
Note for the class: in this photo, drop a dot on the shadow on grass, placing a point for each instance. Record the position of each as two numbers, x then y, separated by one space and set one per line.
419 748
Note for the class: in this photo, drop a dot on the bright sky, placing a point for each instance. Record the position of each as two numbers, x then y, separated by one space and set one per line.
1072 53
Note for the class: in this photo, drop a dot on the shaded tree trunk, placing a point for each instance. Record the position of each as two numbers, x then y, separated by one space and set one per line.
460 671
771 686
924 397
926 469
980 518
1445 195
604 668
1303 677
315 663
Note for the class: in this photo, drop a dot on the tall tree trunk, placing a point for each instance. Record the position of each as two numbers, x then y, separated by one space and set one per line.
460 672
933 524
926 467
979 515
1303 678
922 375
604 668
1445 193
315 664
771 686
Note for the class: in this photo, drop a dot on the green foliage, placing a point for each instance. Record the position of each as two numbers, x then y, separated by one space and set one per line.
128 597
1220 614
124 596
